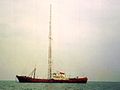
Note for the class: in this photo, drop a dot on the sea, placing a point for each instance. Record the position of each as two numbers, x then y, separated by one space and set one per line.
13 85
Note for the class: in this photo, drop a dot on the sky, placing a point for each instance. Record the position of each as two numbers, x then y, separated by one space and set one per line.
85 38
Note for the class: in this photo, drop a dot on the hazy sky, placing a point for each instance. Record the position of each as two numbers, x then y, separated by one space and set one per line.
86 38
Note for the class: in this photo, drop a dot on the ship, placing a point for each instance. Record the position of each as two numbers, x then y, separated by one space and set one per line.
58 77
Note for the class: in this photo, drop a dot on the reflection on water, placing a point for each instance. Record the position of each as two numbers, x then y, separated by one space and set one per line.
11 85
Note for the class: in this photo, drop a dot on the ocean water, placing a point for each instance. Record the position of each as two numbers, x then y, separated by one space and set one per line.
12 85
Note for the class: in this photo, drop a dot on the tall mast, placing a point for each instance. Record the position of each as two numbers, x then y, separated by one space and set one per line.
50 48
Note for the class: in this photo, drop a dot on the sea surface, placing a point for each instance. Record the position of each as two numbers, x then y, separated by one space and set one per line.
13 85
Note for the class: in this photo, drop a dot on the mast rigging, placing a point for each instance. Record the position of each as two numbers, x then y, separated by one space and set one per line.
50 48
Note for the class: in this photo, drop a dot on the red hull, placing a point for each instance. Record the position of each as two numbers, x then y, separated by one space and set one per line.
25 79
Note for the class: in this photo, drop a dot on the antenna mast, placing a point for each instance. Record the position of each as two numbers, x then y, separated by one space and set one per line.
50 48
